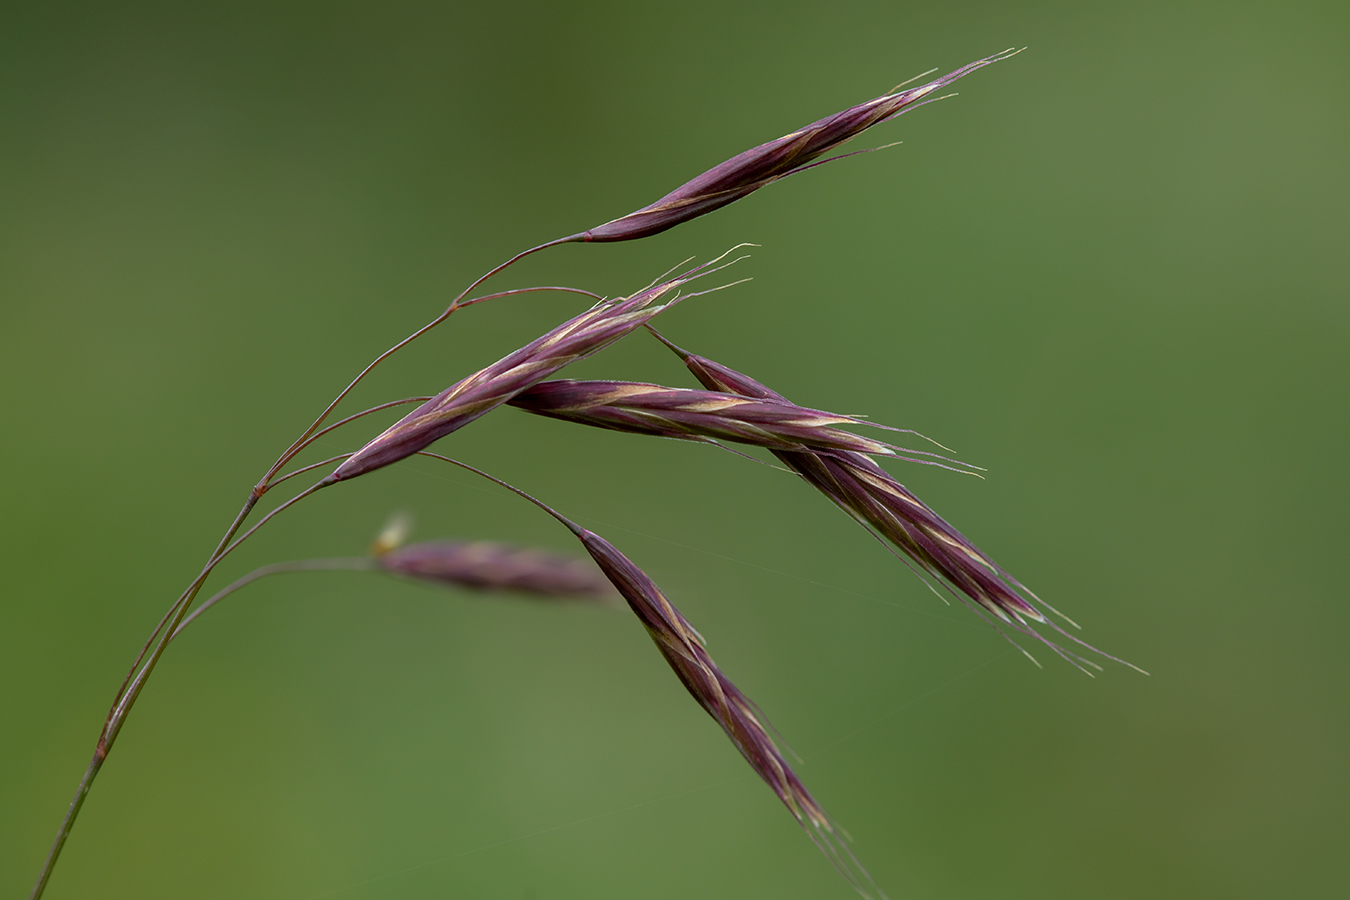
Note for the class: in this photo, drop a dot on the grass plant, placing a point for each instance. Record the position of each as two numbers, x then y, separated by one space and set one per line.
812 444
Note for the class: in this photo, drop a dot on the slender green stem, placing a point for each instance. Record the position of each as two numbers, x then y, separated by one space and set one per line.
64 831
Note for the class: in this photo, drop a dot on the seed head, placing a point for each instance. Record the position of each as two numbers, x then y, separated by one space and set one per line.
753 169
485 390
487 566
683 648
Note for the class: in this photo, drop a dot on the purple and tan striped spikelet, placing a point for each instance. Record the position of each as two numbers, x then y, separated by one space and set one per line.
488 566
751 170
685 414
868 493
485 390
683 648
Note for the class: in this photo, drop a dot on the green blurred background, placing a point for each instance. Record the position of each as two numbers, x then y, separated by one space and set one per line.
1108 272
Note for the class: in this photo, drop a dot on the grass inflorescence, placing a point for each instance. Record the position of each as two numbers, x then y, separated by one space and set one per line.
822 448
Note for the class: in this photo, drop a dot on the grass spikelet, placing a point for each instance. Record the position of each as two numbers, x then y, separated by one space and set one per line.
751 170
707 416
485 390
869 494
492 567
683 649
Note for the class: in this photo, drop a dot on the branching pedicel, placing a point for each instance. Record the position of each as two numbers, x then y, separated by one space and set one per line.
732 407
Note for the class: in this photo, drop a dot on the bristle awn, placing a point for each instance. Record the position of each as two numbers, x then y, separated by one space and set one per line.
911 80
687 260
735 452
827 160
866 420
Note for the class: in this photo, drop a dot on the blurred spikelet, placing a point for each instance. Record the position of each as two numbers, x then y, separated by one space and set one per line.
488 566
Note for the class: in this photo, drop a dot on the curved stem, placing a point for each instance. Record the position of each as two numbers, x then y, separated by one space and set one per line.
129 697
239 518
356 563
131 688
572 526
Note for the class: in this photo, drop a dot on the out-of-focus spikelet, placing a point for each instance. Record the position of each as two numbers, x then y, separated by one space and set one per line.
489 566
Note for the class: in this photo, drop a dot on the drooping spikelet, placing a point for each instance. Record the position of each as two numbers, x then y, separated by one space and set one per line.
868 493
753 169
485 390
683 648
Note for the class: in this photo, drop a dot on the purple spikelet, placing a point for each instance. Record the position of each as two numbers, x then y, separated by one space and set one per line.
868 493
751 170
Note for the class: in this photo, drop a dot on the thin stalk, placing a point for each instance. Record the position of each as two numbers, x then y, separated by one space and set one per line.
310 468
252 501
356 563
132 687
572 526
134 691
169 624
